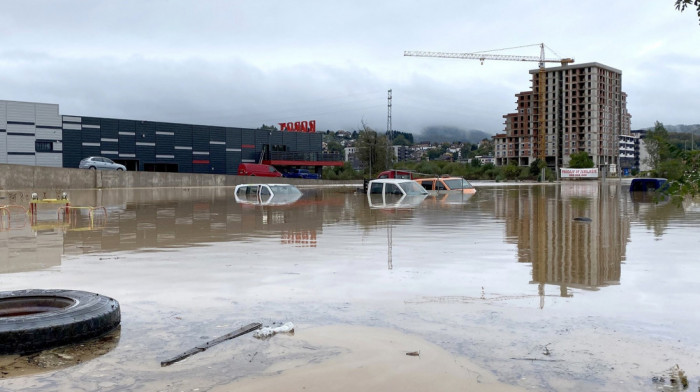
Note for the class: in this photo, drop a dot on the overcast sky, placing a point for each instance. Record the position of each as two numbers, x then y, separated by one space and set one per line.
248 63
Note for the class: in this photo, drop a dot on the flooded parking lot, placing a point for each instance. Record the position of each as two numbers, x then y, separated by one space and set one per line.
509 289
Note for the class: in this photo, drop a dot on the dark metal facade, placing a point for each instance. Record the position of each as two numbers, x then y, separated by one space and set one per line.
185 148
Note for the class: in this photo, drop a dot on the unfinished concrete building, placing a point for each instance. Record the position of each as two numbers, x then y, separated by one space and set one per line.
585 110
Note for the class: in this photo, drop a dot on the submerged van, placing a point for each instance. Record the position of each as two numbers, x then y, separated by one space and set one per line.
257 169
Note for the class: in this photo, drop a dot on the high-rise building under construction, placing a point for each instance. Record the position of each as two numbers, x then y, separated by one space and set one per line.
585 110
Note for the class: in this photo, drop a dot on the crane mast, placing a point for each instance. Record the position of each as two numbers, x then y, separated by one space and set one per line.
541 129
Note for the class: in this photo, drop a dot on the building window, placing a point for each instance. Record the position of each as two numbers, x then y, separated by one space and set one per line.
43 146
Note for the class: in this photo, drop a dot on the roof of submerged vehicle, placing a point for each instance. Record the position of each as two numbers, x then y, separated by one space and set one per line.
392 180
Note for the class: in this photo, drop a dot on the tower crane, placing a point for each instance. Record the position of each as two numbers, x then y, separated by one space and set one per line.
541 59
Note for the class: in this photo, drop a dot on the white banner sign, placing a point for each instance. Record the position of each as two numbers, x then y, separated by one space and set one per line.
579 173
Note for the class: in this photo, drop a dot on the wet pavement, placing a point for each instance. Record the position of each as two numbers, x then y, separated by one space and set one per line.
510 284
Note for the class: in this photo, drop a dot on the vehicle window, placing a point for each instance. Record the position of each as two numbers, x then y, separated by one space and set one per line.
403 176
439 186
108 160
428 185
458 183
376 187
413 188
393 189
271 169
383 176
264 190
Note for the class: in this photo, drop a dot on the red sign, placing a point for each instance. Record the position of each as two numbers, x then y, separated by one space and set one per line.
299 126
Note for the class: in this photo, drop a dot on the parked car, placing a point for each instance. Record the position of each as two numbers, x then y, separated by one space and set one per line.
257 169
100 163
301 173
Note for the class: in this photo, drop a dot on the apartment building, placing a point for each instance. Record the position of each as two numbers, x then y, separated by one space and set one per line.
585 109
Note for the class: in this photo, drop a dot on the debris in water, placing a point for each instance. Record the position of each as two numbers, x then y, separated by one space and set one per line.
240 331
582 219
413 353
676 378
267 332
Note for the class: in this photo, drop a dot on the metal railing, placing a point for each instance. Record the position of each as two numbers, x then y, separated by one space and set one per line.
303 156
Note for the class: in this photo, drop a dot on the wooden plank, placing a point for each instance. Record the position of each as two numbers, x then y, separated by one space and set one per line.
198 349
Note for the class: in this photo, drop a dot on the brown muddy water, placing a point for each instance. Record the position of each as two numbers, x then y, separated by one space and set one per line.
503 291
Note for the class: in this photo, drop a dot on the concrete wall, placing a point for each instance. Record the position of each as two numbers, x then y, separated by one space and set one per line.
34 178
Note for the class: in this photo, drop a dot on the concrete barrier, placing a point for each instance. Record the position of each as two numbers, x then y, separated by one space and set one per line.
48 179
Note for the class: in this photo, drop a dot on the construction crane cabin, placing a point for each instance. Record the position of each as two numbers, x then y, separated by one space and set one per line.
540 131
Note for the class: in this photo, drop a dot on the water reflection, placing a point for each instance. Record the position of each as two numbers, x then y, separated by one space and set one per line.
538 219
563 251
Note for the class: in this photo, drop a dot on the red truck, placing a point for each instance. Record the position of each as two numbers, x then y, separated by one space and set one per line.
401 174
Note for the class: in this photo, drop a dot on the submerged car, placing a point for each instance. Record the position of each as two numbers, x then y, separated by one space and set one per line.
446 184
100 163
648 184
266 194
394 193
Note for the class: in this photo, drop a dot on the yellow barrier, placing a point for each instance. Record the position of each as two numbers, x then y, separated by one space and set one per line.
68 210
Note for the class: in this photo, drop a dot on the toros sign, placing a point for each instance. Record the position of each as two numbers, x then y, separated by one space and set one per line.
299 126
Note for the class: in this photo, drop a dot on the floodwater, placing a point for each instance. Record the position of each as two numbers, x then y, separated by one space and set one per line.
505 290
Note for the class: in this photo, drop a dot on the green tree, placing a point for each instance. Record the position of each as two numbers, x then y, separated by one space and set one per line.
465 150
372 151
657 145
511 171
401 140
434 153
581 160
269 128
334 146
688 185
681 5
485 148
536 167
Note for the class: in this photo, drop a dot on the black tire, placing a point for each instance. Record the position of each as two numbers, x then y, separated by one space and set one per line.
119 169
34 320
92 168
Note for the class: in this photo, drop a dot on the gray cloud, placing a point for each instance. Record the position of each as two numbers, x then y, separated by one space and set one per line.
249 63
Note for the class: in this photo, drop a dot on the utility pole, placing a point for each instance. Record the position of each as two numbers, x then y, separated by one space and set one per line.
389 140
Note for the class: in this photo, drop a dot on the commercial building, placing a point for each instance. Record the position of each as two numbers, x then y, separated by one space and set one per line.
585 109
36 134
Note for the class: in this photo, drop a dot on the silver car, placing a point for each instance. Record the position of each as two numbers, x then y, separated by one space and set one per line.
100 163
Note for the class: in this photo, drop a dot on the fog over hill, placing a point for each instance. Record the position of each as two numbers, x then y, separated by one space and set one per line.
682 128
441 134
